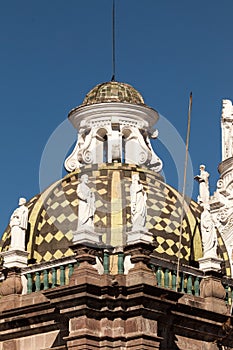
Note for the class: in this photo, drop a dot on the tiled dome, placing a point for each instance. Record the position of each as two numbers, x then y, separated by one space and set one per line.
53 214
113 91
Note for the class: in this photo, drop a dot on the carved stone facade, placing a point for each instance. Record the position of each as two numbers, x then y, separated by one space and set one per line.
125 312
108 267
114 132
221 203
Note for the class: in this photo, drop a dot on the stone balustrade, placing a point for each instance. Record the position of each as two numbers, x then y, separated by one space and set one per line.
48 275
58 272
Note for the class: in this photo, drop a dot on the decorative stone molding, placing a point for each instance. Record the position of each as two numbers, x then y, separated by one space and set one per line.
139 236
12 284
85 253
15 258
210 264
221 203
83 236
114 132
140 257
212 290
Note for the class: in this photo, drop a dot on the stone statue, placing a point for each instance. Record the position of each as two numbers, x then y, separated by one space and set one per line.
209 235
18 224
203 180
227 129
138 204
86 209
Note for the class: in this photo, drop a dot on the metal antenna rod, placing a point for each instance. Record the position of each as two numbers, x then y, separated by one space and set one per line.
184 187
113 42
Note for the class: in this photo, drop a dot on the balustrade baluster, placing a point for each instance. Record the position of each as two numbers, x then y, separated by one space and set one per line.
189 285
54 277
166 278
106 262
37 281
174 280
71 269
29 283
121 263
197 287
62 275
159 276
46 279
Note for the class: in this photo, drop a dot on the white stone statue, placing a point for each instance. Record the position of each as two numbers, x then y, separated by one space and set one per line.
138 204
227 129
86 209
203 180
209 235
18 224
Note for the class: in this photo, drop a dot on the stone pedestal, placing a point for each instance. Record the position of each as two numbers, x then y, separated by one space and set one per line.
139 236
84 236
86 258
210 264
85 253
15 258
140 257
213 292
12 284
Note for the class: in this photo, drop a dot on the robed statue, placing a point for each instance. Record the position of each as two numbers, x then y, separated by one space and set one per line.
138 204
203 179
18 225
209 234
86 209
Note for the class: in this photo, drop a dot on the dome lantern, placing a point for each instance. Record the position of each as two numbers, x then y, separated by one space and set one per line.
114 125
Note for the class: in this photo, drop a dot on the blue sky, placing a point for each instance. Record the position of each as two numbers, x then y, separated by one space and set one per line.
53 52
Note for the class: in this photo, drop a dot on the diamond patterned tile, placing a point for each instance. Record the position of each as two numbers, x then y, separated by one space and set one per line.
57 215
48 238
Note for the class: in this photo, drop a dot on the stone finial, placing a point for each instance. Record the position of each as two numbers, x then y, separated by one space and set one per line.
227 109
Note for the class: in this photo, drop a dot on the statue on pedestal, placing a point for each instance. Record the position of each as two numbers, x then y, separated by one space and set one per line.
209 235
138 204
18 224
203 180
86 209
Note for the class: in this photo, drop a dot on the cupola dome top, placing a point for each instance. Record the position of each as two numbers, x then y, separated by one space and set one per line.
113 91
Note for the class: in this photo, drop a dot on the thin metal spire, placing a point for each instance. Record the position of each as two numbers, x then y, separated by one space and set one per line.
113 42
184 188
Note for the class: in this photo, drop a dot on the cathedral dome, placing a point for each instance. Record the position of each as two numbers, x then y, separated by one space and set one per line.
53 214
113 91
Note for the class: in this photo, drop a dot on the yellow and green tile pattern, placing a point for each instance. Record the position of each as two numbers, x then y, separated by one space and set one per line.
53 215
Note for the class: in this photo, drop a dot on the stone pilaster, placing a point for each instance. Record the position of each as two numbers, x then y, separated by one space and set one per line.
213 292
12 284
15 258
140 256
85 255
